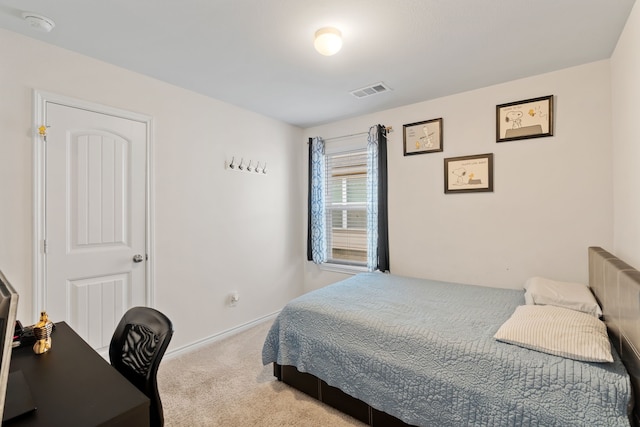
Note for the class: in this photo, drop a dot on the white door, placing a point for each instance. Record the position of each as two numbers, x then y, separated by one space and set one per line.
95 219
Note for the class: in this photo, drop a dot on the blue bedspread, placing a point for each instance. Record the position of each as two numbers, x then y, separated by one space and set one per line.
424 352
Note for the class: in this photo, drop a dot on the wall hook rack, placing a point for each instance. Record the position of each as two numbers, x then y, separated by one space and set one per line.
247 167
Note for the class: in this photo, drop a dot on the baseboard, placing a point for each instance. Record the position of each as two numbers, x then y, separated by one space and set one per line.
219 336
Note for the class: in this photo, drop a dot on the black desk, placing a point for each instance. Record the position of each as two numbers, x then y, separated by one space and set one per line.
72 385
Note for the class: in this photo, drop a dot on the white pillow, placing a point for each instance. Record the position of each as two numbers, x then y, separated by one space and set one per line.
576 296
558 331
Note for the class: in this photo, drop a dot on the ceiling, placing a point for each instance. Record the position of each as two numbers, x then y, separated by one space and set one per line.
258 54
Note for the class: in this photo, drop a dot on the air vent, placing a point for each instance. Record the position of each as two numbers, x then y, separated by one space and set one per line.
373 89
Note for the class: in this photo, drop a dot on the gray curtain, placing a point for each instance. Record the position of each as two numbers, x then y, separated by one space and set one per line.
383 209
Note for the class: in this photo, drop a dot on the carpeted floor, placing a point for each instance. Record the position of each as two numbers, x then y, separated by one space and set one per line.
225 384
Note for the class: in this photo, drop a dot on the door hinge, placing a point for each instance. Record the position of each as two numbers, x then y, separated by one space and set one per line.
44 246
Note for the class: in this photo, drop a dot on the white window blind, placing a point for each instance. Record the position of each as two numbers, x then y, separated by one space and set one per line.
346 207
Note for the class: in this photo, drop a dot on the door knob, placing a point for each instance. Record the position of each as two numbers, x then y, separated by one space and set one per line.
138 258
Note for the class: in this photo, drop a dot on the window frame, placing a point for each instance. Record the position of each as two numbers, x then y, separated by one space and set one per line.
333 264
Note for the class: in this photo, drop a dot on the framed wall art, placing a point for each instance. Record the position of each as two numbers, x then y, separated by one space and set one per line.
532 118
423 137
468 174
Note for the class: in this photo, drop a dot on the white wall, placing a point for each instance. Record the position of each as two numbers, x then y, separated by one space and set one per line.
625 94
215 230
552 196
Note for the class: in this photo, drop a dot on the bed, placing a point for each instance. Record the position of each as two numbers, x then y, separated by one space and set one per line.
398 351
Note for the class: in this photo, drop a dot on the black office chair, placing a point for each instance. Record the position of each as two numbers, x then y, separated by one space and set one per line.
136 349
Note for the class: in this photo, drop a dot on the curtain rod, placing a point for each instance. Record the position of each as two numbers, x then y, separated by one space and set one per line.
346 136
389 130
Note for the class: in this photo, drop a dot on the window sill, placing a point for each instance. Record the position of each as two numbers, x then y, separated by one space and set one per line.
343 268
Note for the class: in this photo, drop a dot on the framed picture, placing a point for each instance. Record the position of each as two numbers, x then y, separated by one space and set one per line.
423 137
468 173
532 118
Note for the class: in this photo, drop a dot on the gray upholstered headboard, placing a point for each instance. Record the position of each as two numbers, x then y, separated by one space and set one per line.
616 286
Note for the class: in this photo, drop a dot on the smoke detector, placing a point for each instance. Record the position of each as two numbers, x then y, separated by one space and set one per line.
38 22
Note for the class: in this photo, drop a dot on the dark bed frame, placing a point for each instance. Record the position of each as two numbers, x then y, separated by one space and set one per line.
616 286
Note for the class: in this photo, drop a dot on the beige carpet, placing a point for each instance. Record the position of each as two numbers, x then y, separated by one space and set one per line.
225 384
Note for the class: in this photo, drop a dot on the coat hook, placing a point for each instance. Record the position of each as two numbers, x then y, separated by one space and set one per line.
264 169
241 166
232 165
249 169
257 169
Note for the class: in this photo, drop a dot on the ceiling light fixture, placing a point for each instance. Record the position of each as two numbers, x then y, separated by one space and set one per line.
328 41
38 22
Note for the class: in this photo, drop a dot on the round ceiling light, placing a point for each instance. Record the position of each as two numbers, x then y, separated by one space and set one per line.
328 41
38 22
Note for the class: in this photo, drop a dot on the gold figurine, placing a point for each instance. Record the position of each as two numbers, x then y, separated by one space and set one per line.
42 332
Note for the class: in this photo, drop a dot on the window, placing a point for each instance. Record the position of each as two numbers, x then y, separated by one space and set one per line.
346 207
347 203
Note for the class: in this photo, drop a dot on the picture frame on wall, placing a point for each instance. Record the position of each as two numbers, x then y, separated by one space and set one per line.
423 137
468 174
531 118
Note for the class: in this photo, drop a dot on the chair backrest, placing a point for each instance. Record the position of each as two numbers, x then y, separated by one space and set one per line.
137 347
